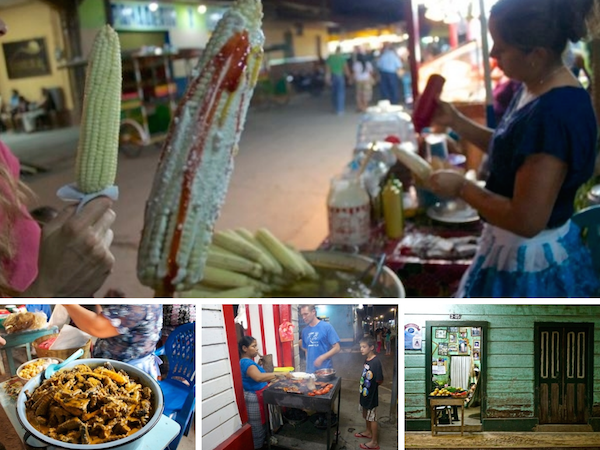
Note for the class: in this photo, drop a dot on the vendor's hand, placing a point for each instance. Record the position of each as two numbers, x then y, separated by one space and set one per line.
445 114
2 341
288 375
446 183
319 361
75 259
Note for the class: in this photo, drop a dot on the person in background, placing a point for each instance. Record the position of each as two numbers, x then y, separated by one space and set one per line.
71 258
388 342
336 74
175 316
389 67
319 340
503 93
126 333
575 61
379 338
363 76
44 108
542 152
254 381
46 309
370 379
18 105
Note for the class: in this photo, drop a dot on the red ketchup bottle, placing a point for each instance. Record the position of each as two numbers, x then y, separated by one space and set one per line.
427 102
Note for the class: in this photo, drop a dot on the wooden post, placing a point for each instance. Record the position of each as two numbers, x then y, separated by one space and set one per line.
595 81
411 13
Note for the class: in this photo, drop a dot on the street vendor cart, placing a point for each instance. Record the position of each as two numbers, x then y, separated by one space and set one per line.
276 395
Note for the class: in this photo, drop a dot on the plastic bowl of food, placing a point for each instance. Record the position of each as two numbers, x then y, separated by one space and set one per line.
325 374
132 441
31 369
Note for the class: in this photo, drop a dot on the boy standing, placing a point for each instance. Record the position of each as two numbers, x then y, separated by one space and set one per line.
371 378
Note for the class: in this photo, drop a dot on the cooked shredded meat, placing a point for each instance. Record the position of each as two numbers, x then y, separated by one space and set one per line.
85 406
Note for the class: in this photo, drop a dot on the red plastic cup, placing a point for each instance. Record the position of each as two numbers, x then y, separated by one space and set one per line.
427 102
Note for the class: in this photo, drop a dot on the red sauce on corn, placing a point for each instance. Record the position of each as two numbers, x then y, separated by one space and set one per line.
233 58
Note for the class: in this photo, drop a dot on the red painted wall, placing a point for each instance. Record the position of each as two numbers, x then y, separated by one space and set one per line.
234 358
241 440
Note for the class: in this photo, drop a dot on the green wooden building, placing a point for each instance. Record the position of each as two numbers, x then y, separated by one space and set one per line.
528 366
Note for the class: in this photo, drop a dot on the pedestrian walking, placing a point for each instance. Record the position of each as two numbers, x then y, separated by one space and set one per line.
337 71
363 76
370 379
388 342
389 66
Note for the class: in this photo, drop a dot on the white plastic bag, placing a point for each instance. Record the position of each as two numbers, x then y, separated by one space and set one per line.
70 337
59 317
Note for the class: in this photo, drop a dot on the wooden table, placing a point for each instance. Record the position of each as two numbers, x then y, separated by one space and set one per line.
446 401
23 338
157 438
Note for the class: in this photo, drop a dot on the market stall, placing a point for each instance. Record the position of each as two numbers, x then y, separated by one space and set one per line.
428 242
299 396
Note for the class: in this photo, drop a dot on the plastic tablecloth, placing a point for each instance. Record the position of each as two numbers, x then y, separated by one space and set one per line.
421 277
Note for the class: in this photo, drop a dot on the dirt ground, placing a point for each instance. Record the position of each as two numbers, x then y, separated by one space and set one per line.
547 441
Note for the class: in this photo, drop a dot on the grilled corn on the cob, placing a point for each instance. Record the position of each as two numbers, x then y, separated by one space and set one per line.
97 152
197 157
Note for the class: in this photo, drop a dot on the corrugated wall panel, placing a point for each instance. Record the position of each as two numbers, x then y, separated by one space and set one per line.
220 416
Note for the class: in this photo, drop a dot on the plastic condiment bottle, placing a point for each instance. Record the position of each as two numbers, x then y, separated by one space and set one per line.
348 207
393 210
427 102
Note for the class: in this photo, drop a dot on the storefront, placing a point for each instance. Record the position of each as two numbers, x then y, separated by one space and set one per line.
524 366
33 52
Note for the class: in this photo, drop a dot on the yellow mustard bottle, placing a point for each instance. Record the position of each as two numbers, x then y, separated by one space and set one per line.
393 210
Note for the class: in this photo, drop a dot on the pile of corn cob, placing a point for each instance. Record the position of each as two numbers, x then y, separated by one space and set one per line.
243 264
197 158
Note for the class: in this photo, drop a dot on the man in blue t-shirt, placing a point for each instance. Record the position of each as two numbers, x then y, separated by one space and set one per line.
319 340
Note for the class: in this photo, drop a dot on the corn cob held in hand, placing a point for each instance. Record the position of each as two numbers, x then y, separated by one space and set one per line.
97 150
197 157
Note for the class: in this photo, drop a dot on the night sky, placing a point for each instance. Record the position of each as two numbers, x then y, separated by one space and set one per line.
382 11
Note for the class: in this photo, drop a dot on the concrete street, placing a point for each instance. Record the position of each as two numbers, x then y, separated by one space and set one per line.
502 441
287 156
348 365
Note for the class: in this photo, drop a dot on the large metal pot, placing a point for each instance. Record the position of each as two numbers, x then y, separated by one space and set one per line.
357 264
129 443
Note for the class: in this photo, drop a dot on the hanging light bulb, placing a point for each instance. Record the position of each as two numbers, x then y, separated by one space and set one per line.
153 7
202 9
